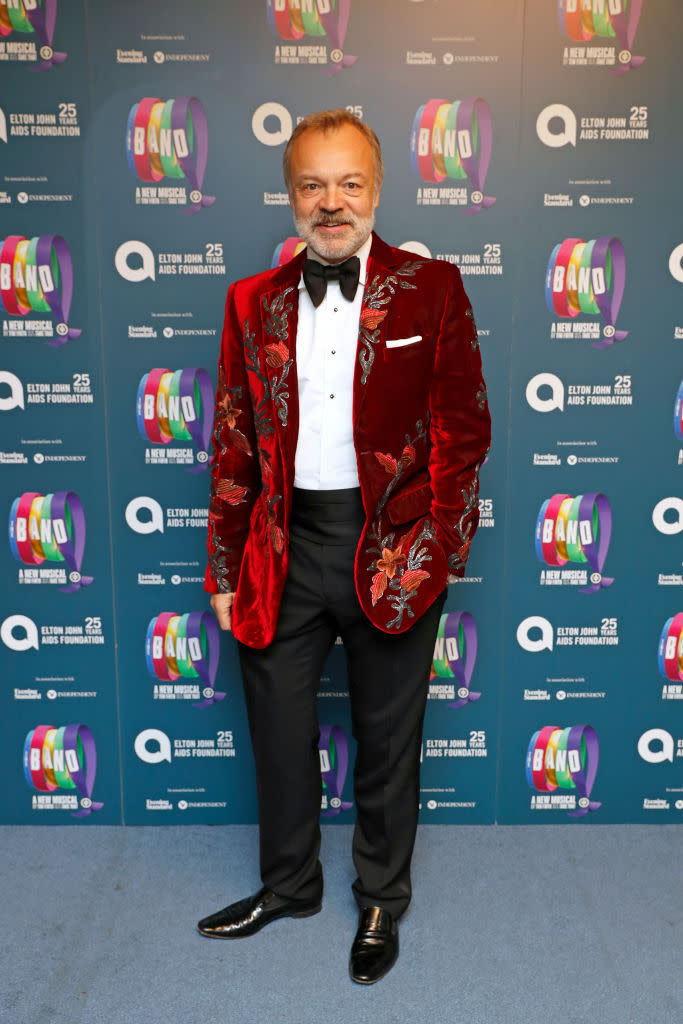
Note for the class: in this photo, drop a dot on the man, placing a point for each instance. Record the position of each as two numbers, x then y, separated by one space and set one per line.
351 422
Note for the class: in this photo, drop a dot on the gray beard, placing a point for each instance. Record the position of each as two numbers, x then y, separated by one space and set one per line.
331 250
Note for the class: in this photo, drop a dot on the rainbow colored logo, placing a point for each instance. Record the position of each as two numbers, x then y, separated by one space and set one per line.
576 530
63 759
454 140
286 251
588 277
50 528
455 654
678 413
565 759
670 654
291 20
177 406
583 20
36 276
35 17
170 140
333 748
185 646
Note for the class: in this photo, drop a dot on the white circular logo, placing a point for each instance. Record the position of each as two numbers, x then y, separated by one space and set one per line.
175 579
62 330
431 804
208 692
74 577
477 197
659 511
16 396
335 802
86 802
556 112
548 380
156 520
584 200
561 694
336 56
676 263
46 52
134 247
595 577
448 58
159 57
609 330
419 248
463 692
571 460
679 805
195 196
182 805
51 694
19 643
584 801
22 197
625 56
159 739
38 458
202 456
258 124
542 643
665 750
168 332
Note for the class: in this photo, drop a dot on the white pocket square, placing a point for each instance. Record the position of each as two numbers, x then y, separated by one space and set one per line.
400 342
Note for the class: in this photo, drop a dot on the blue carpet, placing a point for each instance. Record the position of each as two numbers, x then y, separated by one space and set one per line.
528 925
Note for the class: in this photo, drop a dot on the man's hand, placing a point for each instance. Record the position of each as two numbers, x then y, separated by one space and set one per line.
222 606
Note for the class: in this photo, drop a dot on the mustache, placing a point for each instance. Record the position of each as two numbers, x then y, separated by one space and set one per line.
328 222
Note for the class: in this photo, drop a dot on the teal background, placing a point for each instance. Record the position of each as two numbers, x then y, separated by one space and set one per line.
522 74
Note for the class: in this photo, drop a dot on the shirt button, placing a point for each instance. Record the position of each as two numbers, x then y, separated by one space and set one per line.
334 351
336 309
331 396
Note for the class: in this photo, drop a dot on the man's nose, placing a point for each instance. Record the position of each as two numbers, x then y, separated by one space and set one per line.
331 199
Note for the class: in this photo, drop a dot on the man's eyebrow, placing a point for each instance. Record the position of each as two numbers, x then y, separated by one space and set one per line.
312 175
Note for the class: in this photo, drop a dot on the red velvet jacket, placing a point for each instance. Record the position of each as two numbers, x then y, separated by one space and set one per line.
421 430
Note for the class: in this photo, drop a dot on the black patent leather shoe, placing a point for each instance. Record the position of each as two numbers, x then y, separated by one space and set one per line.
375 947
246 917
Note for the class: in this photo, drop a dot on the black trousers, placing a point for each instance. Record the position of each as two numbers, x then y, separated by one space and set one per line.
388 680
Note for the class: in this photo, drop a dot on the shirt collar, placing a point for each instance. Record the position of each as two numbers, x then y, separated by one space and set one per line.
362 254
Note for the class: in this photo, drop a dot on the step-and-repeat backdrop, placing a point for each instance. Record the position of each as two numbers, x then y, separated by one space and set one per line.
536 145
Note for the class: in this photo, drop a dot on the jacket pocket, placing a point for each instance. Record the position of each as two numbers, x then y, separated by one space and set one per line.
412 503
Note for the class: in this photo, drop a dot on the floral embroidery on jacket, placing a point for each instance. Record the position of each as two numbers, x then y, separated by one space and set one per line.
474 337
396 573
218 559
262 422
226 416
378 294
463 527
277 354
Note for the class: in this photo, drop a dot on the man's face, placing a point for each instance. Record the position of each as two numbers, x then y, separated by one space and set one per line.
332 192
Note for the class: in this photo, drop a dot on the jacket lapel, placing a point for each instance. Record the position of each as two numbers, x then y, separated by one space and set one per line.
372 329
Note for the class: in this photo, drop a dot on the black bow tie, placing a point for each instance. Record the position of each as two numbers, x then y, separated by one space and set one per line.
316 276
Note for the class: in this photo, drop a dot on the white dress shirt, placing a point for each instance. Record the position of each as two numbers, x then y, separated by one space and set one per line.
326 341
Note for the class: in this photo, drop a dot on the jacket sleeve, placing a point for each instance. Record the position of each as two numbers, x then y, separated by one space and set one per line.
460 428
235 475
